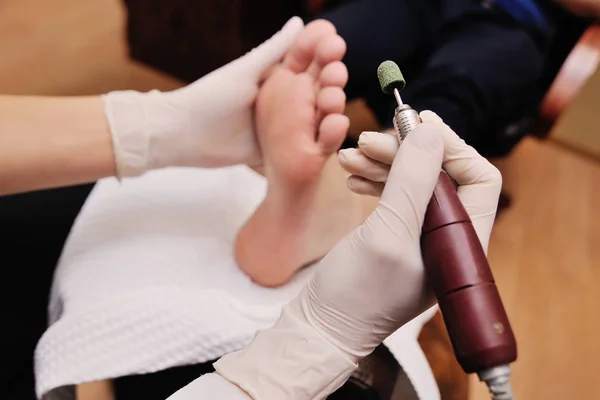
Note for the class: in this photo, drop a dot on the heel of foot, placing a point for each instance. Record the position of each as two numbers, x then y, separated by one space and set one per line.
263 258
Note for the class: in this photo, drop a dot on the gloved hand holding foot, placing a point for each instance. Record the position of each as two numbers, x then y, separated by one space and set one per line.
49 142
373 281
206 124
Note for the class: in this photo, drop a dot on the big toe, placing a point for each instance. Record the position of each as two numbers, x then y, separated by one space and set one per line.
332 132
303 51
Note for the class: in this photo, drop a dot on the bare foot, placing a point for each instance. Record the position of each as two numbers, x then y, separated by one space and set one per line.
300 124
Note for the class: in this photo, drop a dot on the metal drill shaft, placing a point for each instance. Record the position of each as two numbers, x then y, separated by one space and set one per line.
397 96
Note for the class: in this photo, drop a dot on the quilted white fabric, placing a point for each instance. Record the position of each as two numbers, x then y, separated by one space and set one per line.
147 281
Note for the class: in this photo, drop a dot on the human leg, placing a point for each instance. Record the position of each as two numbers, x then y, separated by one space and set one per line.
483 74
377 30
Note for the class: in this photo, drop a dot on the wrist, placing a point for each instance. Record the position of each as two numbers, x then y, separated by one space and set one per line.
141 126
354 338
48 142
210 386
290 360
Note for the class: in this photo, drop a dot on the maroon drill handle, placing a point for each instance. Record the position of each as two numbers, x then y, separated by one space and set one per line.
458 271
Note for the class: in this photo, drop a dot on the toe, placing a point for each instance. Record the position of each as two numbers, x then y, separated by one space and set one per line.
331 49
332 131
331 100
304 49
334 74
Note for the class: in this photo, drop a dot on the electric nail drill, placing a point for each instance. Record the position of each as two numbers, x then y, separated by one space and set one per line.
458 270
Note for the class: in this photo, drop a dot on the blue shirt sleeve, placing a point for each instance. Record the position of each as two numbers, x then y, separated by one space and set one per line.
526 11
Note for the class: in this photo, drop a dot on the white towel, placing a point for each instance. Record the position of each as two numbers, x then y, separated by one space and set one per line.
147 281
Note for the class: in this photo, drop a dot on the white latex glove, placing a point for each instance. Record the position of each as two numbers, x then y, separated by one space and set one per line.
210 387
206 124
373 281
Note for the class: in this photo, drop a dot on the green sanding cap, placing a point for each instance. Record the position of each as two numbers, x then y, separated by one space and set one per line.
390 77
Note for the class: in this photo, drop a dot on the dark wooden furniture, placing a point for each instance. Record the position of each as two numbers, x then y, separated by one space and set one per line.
581 63
188 39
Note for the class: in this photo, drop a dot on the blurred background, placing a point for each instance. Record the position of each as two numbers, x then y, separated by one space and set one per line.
545 249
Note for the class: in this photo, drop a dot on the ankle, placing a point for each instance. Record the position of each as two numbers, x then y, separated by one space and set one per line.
289 205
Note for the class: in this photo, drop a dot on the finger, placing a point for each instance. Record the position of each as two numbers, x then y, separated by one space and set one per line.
356 163
457 152
413 177
430 116
274 49
381 147
364 187
479 181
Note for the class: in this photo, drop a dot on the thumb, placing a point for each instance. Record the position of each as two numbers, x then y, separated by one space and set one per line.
413 176
479 181
262 58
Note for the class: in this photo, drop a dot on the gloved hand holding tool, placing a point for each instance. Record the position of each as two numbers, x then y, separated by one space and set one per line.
373 281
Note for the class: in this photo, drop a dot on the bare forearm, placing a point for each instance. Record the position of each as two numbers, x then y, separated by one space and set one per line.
48 142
